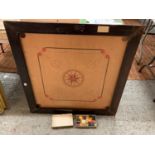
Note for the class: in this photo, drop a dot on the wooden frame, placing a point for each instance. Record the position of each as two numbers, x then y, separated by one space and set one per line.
15 30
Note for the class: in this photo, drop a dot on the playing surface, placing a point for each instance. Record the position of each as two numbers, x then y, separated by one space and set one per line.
73 71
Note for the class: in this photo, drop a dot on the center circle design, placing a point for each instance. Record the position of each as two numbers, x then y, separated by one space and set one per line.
73 78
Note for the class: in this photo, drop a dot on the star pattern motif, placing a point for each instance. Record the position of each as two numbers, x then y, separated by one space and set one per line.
73 78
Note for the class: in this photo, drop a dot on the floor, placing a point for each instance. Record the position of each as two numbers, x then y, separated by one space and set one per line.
7 62
136 113
149 53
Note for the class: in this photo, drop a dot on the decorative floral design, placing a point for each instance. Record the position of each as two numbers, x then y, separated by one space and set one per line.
73 78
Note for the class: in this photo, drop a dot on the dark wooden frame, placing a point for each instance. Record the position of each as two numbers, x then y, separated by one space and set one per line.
15 30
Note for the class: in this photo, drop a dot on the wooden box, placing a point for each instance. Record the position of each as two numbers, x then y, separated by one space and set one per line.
71 67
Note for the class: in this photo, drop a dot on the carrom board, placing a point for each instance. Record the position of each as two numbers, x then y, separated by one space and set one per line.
73 67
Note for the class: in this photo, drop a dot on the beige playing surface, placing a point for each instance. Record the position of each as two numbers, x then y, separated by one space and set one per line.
73 71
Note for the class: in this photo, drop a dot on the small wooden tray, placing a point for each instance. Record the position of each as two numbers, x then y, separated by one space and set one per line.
62 120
